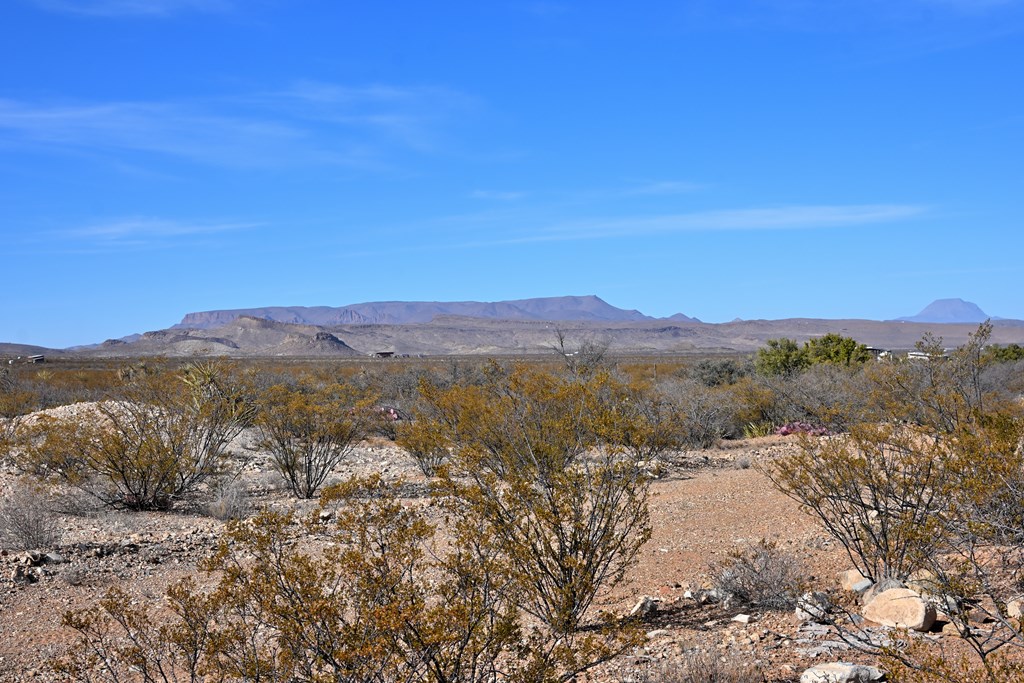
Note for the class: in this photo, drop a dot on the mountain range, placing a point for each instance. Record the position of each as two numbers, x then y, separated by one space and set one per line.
576 308
524 326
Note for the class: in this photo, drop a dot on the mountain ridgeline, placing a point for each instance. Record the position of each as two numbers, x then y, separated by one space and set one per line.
518 327
569 308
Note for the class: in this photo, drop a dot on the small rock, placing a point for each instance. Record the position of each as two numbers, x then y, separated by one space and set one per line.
742 618
813 607
644 606
1015 608
658 633
54 558
842 672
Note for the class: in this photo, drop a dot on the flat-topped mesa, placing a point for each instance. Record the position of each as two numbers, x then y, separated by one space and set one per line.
567 308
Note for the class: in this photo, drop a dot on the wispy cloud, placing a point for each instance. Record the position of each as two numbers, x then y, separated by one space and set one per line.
133 8
664 187
160 128
310 123
497 195
141 232
412 115
775 218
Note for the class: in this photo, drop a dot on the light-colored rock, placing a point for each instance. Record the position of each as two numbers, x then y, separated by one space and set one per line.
842 672
643 607
1015 608
813 607
851 578
742 618
901 608
880 587
950 629
657 633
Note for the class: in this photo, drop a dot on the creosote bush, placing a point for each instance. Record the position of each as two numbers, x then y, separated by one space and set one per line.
363 601
536 458
309 429
932 483
163 434
541 515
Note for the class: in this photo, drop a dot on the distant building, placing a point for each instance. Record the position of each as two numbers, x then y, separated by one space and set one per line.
384 354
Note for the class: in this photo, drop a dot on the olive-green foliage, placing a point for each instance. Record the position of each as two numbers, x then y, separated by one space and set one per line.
161 435
780 357
836 349
785 357
543 511
537 458
309 429
1010 353
718 372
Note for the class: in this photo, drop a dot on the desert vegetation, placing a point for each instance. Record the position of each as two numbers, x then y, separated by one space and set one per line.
531 507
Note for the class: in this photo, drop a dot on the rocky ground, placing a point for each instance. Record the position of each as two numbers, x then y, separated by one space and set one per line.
706 505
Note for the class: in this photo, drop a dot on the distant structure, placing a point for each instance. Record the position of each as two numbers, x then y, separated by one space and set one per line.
384 354
36 358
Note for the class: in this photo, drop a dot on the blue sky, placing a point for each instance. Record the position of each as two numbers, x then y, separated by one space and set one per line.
753 159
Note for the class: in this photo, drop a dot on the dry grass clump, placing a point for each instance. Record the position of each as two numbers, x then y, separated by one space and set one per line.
700 666
27 520
762 576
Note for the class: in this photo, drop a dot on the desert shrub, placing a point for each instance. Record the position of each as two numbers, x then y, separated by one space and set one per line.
645 421
933 483
27 520
364 602
696 416
943 393
309 429
167 432
825 395
755 399
717 372
535 458
785 357
762 575
583 359
229 499
875 490
780 357
420 438
1011 353
835 349
700 666
15 402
